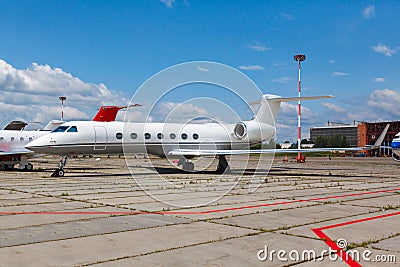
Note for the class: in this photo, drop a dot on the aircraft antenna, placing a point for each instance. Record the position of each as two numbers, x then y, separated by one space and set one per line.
62 99
299 58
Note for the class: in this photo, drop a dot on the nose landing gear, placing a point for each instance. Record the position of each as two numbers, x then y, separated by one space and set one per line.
59 172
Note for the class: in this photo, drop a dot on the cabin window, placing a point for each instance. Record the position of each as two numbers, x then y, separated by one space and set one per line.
30 139
195 136
184 136
1 139
12 138
118 135
172 136
133 135
21 139
147 136
160 136
73 129
60 129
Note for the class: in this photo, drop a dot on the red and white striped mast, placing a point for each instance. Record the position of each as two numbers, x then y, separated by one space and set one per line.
62 98
299 58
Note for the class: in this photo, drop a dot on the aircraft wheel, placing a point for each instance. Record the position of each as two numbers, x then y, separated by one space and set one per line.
29 167
61 173
188 166
58 173
9 167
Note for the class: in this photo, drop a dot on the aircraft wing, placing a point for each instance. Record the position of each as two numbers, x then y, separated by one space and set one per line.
194 152
198 153
15 152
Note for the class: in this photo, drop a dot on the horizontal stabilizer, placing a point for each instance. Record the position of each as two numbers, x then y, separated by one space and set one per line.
279 99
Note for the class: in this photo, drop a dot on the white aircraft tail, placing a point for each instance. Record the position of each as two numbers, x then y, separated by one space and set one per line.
52 125
270 104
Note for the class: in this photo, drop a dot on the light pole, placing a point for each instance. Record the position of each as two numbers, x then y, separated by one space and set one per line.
299 58
62 98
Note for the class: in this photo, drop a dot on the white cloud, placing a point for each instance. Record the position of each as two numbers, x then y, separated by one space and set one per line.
380 105
283 80
386 102
251 67
280 65
384 50
338 73
287 122
369 12
182 110
168 3
259 47
32 94
332 61
333 107
165 112
379 80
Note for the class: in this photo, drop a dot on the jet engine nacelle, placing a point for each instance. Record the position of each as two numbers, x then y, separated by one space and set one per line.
254 131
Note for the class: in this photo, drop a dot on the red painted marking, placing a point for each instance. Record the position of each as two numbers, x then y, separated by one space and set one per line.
201 212
348 259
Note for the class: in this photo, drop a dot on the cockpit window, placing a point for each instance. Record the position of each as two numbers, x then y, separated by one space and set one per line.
73 129
60 129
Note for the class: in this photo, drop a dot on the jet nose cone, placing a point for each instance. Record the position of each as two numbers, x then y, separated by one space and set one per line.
36 145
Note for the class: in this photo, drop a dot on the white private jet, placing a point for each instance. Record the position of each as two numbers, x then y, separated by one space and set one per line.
182 141
13 139
12 144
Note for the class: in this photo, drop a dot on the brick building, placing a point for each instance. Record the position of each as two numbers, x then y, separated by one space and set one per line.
360 134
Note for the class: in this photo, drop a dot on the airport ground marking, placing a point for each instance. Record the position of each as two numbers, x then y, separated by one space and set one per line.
199 212
342 254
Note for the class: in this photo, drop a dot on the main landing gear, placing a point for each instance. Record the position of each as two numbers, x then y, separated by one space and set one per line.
223 165
59 172
186 164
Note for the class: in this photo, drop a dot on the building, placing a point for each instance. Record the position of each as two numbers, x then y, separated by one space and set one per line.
349 131
360 134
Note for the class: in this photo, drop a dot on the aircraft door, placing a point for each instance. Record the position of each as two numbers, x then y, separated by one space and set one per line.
100 136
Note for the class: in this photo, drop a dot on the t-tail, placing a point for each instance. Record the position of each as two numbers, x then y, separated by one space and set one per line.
109 113
262 127
270 104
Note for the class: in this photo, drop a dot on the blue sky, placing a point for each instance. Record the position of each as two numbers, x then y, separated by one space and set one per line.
99 52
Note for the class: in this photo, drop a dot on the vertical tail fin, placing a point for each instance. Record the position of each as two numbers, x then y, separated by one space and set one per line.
270 104
109 113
